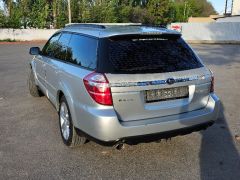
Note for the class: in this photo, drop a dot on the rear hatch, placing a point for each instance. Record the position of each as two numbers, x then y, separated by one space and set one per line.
154 76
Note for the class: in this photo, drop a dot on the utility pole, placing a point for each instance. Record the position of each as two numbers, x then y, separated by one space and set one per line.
232 8
226 7
69 12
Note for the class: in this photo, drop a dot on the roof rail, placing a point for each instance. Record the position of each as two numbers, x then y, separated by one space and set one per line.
119 24
85 25
101 25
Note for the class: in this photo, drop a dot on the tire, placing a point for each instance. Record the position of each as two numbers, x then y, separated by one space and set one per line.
33 89
68 132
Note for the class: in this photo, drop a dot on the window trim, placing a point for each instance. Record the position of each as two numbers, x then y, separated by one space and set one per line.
67 62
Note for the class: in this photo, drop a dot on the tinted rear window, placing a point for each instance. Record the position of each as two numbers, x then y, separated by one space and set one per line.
155 55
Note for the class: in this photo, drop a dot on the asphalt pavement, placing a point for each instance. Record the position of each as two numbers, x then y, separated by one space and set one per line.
31 146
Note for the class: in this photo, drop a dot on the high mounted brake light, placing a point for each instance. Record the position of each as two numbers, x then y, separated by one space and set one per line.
98 88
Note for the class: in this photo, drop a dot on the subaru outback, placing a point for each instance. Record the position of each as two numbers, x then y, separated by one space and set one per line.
123 84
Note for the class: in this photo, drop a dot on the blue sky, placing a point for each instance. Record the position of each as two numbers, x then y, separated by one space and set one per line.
219 5
1 4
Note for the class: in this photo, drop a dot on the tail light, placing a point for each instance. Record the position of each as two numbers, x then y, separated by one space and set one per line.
98 88
212 85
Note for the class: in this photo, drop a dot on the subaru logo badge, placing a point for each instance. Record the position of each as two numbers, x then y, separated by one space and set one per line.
170 81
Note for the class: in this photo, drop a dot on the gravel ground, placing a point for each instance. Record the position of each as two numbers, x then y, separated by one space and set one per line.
31 147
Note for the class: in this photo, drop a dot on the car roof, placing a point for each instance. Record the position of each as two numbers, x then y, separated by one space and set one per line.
101 30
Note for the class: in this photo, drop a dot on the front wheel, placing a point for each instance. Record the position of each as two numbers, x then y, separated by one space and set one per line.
67 129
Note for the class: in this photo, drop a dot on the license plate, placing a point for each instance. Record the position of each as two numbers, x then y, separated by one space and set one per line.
166 94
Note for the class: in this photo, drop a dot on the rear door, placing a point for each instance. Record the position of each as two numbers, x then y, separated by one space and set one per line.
54 63
155 77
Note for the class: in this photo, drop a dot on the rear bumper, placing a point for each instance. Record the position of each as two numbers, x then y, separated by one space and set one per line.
108 130
151 137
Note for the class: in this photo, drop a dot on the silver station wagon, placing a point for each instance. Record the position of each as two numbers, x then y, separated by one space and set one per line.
124 83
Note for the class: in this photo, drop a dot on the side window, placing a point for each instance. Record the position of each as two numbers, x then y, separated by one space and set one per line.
51 45
60 51
82 51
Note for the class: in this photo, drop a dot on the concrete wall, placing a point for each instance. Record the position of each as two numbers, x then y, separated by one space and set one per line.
229 19
221 32
200 20
26 34
225 32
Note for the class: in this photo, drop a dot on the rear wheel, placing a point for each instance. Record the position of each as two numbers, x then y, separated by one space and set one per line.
67 129
33 89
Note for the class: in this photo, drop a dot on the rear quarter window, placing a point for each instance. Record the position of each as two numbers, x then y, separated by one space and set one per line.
82 51
154 55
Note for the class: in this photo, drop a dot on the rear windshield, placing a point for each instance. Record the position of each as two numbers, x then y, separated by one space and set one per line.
154 55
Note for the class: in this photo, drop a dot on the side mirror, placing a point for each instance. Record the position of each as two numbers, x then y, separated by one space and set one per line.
34 51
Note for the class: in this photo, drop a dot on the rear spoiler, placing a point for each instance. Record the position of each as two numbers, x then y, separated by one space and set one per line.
145 36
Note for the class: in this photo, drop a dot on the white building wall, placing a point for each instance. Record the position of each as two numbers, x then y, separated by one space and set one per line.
222 32
236 7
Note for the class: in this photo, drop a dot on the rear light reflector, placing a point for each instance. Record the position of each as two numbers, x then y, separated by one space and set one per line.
212 85
98 88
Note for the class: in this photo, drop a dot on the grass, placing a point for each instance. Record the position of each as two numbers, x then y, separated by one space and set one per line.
8 40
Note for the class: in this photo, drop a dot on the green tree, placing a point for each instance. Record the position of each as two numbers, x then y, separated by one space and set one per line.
76 7
24 5
61 16
183 9
159 11
124 13
39 14
2 19
9 5
44 13
104 11
15 20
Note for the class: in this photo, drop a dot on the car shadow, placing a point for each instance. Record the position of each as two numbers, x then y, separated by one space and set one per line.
219 158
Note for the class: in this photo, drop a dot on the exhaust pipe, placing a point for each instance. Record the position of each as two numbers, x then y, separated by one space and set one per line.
119 146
